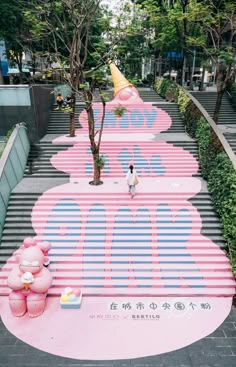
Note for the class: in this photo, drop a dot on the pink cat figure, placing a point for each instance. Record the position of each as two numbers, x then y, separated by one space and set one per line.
29 280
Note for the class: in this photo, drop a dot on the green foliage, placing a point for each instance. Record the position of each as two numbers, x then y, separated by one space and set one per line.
105 96
150 78
162 86
100 162
183 101
171 91
222 186
191 118
54 23
130 53
167 89
6 138
157 86
221 170
203 135
208 147
13 30
97 78
119 111
216 167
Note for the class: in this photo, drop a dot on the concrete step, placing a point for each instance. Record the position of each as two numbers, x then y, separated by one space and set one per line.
81 258
139 200
208 101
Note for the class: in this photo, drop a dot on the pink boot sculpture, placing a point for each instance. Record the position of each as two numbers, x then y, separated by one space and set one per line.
30 279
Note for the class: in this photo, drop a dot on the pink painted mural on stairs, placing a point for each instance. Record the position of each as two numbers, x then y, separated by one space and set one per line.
144 267
151 159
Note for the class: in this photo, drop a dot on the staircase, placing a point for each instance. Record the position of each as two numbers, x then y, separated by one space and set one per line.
173 110
149 95
231 138
106 243
146 94
18 221
59 121
38 164
227 114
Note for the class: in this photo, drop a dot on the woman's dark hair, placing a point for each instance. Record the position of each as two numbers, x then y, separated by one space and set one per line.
131 167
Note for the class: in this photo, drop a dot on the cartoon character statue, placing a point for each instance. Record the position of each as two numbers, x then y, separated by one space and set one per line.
30 279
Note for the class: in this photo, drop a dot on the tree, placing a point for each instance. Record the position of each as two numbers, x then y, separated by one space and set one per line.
14 31
221 29
172 25
218 41
208 25
73 30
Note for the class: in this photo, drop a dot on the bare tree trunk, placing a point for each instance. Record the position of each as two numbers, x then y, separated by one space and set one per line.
94 147
220 94
190 78
191 70
160 66
72 115
96 170
183 71
223 80
20 67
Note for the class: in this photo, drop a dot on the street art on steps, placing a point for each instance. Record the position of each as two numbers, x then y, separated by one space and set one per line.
151 159
152 283
137 118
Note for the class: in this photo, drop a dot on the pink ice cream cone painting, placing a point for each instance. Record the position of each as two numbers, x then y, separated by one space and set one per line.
151 281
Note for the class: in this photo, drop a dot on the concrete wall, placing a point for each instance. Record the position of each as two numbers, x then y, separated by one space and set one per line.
28 104
42 101
12 166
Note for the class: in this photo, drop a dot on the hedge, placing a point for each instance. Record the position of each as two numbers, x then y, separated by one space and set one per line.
216 167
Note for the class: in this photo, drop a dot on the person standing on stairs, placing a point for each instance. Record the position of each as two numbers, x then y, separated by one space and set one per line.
132 180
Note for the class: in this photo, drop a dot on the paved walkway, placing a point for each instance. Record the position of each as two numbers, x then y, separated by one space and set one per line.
216 350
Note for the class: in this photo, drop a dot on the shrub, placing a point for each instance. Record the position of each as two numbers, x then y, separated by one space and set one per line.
216 167
203 135
6 138
222 186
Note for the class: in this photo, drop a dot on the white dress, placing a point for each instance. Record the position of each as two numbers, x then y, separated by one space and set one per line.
130 177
